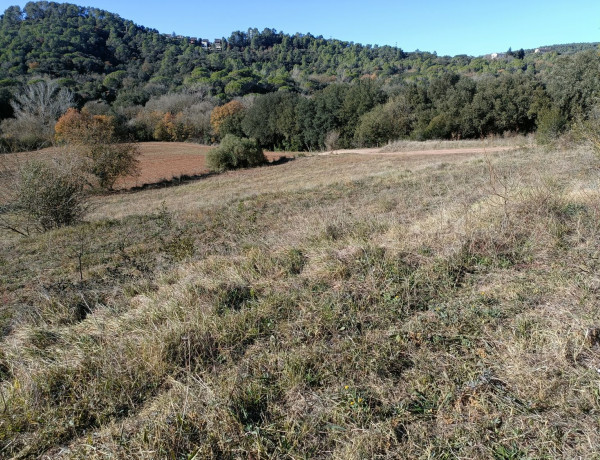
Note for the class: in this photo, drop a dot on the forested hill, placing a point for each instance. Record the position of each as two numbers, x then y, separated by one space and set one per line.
97 53
366 95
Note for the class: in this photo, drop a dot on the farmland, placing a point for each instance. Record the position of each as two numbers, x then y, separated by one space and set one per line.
159 162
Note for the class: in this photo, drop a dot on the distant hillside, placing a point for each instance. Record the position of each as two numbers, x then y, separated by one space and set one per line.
164 87
98 53
569 48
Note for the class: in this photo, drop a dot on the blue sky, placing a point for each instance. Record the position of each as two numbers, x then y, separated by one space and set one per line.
447 27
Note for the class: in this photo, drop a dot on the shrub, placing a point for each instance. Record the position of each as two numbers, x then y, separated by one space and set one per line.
51 194
109 161
25 134
235 152
587 130
332 140
550 124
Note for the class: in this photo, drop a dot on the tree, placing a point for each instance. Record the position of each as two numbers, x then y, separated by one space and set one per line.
36 109
272 121
227 119
520 54
44 101
94 138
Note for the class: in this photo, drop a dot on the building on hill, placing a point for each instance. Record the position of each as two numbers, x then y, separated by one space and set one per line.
218 45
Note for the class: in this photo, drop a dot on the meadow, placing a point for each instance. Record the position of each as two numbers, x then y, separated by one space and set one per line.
341 306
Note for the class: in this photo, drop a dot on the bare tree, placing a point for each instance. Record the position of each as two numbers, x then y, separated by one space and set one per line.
44 101
36 110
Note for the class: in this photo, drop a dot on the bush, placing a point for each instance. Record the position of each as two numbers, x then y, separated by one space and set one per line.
51 194
25 134
108 162
235 152
550 124
587 130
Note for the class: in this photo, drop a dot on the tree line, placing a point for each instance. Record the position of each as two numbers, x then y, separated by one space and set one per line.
297 92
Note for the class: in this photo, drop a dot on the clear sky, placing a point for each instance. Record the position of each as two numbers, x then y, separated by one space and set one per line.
447 27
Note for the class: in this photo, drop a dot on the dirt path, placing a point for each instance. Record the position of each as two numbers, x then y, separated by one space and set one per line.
458 151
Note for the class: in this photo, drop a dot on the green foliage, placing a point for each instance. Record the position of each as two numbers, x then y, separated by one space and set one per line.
235 152
272 121
99 56
386 122
550 124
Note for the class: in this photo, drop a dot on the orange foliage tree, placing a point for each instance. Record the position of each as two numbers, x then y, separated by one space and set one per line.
227 119
76 127
94 137
172 128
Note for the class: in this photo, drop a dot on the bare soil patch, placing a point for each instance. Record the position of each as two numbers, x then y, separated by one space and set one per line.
163 161
159 161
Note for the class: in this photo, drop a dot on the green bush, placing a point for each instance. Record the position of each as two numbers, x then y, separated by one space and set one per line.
550 124
235 152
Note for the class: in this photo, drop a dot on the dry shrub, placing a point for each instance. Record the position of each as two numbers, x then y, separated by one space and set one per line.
587 130
52 193
25 134
332 140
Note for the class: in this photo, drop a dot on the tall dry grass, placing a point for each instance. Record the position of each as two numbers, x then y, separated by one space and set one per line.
331 307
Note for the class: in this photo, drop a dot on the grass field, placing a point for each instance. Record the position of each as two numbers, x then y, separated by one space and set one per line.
342 306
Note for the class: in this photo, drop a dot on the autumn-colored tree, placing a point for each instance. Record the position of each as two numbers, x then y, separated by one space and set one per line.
172 128
76 127
94 137
227 119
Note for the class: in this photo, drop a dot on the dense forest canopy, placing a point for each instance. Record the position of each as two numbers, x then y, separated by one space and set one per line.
358 94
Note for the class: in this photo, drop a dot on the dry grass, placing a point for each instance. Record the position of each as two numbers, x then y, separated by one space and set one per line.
494 141
331 307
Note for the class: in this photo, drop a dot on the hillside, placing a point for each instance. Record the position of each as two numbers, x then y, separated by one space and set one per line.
289 92
338 306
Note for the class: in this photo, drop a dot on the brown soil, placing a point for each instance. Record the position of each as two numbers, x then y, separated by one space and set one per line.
165 160
159 161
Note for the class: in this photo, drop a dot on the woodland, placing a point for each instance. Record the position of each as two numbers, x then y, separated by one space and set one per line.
294 92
